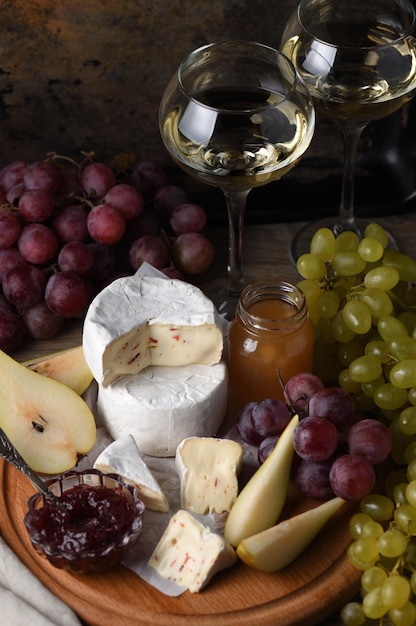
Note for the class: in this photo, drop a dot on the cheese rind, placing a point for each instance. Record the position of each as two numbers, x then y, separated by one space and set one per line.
161 406
138 321
189 553
124 458
208 468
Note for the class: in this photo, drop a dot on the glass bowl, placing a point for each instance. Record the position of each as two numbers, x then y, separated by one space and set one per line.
102 522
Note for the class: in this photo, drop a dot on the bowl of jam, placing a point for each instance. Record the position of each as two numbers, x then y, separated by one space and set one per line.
101 519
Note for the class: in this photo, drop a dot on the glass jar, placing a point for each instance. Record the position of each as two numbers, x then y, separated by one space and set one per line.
271 330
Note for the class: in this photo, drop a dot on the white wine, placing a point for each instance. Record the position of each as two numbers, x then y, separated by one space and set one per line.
237 139
355 85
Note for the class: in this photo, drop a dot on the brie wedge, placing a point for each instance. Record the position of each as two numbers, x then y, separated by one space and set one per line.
123 458
189 553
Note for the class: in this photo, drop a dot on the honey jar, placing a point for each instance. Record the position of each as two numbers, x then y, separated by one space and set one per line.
271 331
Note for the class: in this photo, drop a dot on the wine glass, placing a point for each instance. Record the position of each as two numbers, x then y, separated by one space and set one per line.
358 60
235 115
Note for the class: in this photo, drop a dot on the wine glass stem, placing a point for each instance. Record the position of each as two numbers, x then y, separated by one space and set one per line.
236 204
346 218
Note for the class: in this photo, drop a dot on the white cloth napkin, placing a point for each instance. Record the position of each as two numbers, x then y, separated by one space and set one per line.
25 600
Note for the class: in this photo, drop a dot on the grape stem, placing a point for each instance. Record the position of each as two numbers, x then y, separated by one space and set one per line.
291 407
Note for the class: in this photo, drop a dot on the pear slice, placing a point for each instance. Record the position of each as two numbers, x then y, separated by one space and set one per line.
275 548
50 424
261 501
67 366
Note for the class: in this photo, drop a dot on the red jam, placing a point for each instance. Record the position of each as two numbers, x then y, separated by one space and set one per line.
95 516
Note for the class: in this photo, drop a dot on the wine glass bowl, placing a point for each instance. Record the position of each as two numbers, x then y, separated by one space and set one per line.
358 60
236 116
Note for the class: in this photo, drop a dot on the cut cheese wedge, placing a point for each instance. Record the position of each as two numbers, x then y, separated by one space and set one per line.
189 553
208 468
123 457
138 321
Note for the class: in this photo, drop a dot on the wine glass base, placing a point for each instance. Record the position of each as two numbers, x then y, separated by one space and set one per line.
225 301
300 243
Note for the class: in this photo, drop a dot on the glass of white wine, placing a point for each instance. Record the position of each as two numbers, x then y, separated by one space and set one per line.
358 60
236 115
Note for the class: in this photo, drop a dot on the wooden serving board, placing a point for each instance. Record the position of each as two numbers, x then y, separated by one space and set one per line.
313 588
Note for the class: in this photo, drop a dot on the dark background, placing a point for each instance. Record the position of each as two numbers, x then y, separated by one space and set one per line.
88 75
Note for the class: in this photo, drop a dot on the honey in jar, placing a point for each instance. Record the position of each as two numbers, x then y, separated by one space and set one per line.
271 331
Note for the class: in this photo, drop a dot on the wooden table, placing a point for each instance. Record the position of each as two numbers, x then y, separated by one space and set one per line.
265 256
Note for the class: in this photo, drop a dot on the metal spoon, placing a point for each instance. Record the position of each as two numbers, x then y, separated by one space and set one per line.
9 452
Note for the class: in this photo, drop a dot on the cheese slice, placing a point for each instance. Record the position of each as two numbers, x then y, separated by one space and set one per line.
160 406
142 320
123 457
208 468
189 553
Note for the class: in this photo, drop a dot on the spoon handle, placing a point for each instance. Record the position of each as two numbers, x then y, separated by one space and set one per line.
9 452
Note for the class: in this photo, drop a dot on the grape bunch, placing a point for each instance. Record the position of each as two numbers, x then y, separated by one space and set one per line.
335 451
67 229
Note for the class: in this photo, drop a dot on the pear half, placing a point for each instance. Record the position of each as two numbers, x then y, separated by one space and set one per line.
67 366
49 423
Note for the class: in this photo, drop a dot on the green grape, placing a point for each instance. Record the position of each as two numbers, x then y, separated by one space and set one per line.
347 383
373 605
347 352
395 478
403 374
401 441
377 301
348 263
357 562
378 232
323 244
365 369
411 493
324 330
347 240
409 320
407 420
311 290
384 278
328 304
396 591
366 549
372 529
357 523
405 265
389 397
399 494
340 330
373 578
352 614
413 582
405 518
405 616
343 284
392 543
402 347
357 316
409 452
377 348
370 249
411 470
370 388
379 507
389 327
411 394
311 267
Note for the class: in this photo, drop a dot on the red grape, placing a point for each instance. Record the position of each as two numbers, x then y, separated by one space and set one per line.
24 285
172 272
37 243
104 262
300 388
188 218
315 439
270 417
167 198
36 205
9 258
192 253
151 249
97 179
10 229
127 199
11 330
69 184
334 404
312 479
41 322
245 426
67 294
148 223
370 439
41 175
149 177
13 195
12 174
266 447
70 223
75 256
352 477
106 224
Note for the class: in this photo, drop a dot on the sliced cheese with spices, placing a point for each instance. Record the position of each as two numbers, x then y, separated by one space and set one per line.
190 554
208 469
